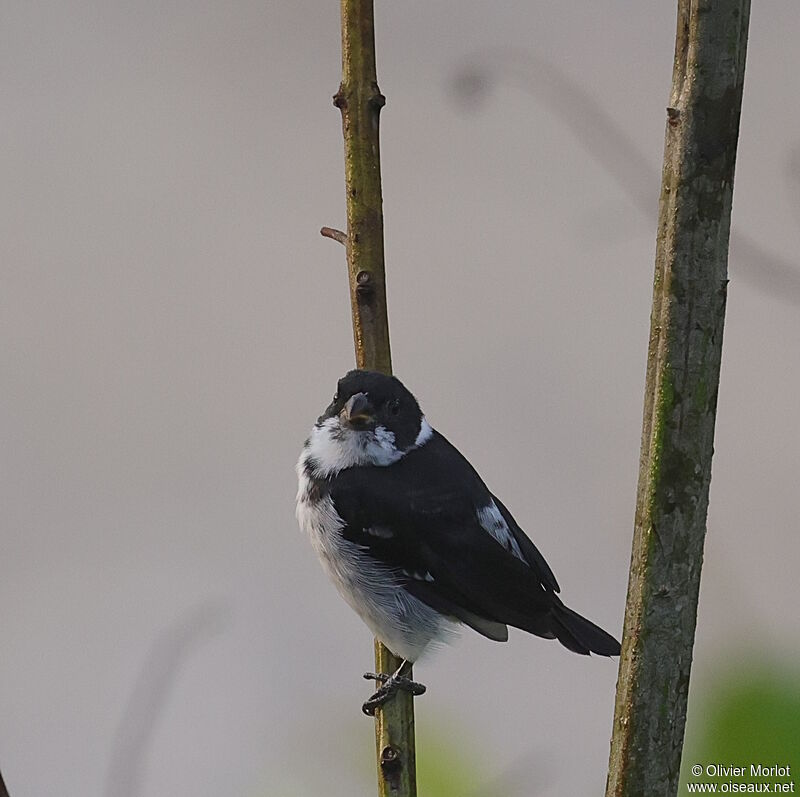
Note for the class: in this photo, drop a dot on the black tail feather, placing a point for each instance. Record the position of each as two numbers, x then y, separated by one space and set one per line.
580 635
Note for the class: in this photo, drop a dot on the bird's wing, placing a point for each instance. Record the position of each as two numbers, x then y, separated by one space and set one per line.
431 519
528 549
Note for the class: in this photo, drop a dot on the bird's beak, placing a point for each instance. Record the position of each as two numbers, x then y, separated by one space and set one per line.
358 412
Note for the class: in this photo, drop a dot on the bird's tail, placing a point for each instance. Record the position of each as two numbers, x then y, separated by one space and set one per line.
580 635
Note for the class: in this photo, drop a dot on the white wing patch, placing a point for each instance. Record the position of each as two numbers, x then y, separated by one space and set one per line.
492 521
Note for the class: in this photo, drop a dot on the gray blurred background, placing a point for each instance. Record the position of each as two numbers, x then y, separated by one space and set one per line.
172 324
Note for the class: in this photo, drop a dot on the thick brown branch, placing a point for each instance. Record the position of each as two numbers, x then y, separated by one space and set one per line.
680 397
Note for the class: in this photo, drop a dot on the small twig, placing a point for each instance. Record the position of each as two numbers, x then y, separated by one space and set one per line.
337 235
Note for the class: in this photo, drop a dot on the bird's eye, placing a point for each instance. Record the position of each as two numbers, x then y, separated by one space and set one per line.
335 397
394 406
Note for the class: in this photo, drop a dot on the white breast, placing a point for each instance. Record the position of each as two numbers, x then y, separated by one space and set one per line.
403 623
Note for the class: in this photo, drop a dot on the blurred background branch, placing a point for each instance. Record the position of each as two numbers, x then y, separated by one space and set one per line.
597 131
150 695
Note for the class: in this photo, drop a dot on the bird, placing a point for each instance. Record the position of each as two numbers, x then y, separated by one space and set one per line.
414 540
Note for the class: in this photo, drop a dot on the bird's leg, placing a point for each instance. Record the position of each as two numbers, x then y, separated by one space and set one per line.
389 686
383 678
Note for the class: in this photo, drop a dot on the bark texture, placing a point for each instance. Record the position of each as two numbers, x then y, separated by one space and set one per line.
680 397
360 101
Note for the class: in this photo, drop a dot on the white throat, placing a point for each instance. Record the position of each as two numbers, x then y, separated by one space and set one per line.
332 447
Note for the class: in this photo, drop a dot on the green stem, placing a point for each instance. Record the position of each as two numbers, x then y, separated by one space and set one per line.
360 101
681 390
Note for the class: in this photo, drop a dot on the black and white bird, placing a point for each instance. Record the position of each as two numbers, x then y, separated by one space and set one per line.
414 540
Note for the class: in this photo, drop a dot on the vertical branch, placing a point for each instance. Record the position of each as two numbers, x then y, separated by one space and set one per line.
360 102
680 396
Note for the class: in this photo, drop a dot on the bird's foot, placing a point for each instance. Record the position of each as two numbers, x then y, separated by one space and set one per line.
390 685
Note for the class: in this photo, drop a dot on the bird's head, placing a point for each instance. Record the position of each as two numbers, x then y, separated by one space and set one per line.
373 419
